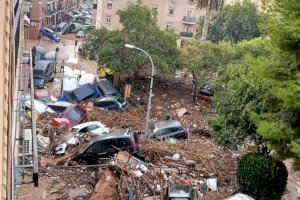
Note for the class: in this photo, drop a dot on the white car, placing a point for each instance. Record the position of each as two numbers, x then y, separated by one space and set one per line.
39 107
93 127
59 106
87 78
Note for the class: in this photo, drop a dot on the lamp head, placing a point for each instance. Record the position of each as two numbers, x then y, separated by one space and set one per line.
129 46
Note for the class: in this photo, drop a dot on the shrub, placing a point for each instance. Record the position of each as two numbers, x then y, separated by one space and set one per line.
262 176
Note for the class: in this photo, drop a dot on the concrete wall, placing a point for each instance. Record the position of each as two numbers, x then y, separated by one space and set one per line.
4 64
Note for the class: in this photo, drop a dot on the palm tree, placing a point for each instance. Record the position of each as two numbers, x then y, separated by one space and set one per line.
209 5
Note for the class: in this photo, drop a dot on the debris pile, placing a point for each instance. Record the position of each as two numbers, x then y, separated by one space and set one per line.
134 117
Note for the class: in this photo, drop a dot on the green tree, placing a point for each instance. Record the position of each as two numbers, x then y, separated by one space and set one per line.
279 123
262 176
235 23
209 6
201 61
261 92
237 92
139 29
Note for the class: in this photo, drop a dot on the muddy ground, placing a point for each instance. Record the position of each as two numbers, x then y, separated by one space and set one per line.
61 182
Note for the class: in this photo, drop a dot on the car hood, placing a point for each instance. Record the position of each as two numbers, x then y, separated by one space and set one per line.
38 81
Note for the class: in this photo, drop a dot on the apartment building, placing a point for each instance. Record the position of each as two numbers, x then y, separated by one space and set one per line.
46 13
179 15
9 50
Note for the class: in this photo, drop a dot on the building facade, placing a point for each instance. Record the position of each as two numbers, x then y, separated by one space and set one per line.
9 50
46 13
179 15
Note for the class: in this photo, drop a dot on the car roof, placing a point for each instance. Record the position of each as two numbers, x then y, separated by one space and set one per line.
50 53
122 133
61 103
106 86
88 124
48 29
38 48
61 24
118 134
82 91
42 64
106 99
167 124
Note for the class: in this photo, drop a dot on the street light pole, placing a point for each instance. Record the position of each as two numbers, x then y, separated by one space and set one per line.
151 85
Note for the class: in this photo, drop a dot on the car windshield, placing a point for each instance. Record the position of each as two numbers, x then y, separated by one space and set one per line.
37 73
70 97
75 114
84 92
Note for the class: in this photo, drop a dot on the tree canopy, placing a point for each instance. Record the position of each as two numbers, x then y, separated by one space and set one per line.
235 23
139 29
260 93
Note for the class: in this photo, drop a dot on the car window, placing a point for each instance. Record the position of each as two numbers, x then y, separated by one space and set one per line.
160 132
97 147
75 114
123 143
83 92
83 130
92 127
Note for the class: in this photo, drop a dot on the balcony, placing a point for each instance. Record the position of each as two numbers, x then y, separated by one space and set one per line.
189 20
186 35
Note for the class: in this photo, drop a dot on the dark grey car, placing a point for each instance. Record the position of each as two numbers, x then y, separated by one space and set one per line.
106 89
43 72
107 145
169 129
38 53
51 56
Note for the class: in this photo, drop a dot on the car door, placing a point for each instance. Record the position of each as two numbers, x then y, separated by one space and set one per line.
171 132
112 105
94 152
124 144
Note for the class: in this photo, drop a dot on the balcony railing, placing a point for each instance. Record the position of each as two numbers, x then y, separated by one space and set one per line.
186 34
190 20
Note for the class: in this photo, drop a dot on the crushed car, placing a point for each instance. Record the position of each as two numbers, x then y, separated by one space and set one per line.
110 103
72 116
81 94
43 95
107 145
168 129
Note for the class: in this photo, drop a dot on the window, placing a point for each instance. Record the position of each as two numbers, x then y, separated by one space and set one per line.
189 14
123 143
191 1
108 19
169 26
109 4
92 127
171 11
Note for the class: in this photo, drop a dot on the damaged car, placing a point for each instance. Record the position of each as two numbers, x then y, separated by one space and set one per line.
81 94
107 145
169 129
110 103
72 116
92 127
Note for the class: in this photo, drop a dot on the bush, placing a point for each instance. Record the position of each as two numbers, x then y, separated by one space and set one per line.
262 176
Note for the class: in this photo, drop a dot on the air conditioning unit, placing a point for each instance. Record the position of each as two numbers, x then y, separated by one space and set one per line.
27 141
